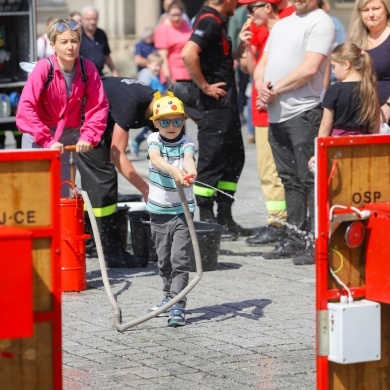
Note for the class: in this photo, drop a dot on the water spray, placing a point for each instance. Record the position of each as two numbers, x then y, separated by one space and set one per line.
304 233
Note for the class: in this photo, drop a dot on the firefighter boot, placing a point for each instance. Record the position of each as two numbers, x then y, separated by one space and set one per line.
114 254
231 228
90 247
206 214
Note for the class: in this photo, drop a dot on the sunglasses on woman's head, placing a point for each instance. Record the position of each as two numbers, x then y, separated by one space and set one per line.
177 122
63 25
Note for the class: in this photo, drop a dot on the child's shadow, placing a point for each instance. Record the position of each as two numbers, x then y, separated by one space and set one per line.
251 309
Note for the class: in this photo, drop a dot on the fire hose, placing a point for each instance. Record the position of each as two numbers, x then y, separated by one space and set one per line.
117 310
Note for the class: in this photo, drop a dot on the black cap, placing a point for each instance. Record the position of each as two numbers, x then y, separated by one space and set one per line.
189 95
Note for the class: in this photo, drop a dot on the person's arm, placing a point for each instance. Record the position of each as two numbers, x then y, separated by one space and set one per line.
110 63
248 58
326 123
302 74
165 66
158 161
295 79
95 107
27 117
120 139
189 164
140 61
191 57
327 76
325 129
258 79
386 111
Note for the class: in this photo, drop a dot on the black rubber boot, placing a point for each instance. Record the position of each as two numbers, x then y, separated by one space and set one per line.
206 214
90 247
115 255
232 228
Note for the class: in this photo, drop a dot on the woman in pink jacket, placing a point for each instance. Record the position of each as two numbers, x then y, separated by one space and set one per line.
49 114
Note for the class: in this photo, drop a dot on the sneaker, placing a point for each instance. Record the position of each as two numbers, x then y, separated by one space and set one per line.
156 307
177 316
135 147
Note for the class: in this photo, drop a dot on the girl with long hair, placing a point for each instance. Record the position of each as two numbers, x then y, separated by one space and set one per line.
351 105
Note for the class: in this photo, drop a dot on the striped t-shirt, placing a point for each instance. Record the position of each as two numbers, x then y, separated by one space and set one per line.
163 196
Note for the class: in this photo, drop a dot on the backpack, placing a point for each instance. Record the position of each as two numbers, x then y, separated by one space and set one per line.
50 76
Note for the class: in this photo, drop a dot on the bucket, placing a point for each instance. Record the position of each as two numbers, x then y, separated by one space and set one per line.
73 268
208 234
209 239
130 203
125 198
123 229
141 236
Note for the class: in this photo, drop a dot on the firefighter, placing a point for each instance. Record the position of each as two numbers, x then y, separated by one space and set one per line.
209 60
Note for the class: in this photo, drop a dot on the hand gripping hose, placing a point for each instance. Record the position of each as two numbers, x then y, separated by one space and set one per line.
117 311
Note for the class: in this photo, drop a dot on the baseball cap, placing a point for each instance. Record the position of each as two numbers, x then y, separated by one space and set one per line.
189 95
167 105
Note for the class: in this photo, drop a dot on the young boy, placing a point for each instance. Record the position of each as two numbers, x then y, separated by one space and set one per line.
150 75
171 155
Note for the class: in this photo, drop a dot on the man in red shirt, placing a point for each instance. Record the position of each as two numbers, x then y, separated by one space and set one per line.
262 16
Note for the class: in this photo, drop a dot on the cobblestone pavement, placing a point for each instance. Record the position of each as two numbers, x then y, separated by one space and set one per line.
250 322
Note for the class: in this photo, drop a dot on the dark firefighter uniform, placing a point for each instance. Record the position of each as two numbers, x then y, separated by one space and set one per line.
128 101
221 149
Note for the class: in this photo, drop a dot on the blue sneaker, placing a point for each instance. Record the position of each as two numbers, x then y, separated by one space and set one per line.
156 307
177 316
135 147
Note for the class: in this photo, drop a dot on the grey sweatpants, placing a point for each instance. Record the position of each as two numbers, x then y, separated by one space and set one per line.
173 246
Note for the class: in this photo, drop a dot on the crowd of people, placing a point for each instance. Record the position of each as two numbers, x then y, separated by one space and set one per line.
188 69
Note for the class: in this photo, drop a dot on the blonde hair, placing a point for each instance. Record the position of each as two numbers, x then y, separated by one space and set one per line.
155 57
52 29
367 91
357 30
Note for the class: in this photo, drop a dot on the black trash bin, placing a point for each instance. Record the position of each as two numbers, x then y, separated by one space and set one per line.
208 234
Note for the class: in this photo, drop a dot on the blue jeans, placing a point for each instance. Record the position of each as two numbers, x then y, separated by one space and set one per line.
292 144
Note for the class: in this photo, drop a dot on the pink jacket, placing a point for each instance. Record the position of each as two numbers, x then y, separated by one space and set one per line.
39 110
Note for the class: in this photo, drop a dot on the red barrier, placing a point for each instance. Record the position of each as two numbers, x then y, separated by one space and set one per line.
16 292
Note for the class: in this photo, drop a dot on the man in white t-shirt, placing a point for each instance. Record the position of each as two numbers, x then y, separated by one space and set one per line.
290 78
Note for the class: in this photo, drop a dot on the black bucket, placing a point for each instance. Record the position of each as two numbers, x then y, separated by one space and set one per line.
209 239
141 236
123 222
129 198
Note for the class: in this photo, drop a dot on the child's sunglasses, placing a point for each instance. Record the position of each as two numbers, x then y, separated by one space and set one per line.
164 123
63 25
